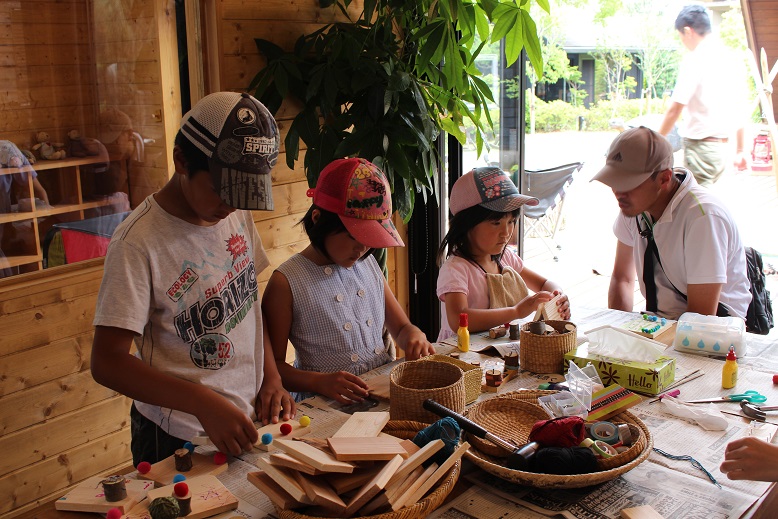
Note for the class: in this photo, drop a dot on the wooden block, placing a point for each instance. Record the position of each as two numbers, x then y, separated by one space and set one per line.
379 387
410 447
286 479
415 460
314 457
396 489
209 497
640 512
373 487
163 472
88 496
282 459
272 490
549 310
321 493
275 429
358 449
438 474
401 498
366 423
343 483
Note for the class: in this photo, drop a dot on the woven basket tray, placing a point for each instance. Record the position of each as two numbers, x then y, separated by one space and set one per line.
546 353
405 430
413 382
473 376
523 417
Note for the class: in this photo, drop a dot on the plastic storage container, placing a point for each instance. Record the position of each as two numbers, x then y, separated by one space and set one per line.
578 400
710 334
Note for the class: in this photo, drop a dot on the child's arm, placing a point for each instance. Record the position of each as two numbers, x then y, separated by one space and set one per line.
538 283
751 458
277 305
272 397
480 319
113 366
408 336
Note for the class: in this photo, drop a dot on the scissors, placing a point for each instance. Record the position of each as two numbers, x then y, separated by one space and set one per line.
749 396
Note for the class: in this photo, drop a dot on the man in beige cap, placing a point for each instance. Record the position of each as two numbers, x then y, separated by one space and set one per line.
680 239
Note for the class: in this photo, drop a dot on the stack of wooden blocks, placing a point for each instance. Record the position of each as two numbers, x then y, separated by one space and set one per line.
358 470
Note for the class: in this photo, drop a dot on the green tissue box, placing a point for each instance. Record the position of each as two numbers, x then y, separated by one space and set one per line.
641 377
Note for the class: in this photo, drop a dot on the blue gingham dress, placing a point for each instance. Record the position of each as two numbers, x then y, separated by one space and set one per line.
337 316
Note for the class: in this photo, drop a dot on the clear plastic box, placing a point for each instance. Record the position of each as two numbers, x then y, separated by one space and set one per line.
710 334
576 402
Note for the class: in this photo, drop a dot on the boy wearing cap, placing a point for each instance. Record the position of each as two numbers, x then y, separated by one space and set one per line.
680 239
181 281
482 276
331 301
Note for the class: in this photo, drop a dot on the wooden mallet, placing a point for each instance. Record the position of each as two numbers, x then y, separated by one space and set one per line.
519 457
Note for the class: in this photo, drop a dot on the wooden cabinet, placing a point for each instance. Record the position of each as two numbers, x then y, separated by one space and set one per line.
69 186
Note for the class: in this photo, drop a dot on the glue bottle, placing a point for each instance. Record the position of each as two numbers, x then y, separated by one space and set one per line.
463 334
729 371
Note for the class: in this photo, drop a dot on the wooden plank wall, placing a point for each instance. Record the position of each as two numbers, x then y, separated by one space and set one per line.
761 17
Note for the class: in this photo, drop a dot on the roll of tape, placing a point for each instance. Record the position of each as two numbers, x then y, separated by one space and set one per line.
605 431
603 449
625 435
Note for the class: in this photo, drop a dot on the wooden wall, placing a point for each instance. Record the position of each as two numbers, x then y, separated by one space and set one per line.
761 18
57 426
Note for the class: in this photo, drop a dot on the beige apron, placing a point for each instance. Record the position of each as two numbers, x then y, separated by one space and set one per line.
505 289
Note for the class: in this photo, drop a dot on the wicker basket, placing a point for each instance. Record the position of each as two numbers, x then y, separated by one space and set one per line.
413 382
473 376
406 430
518 429
546 353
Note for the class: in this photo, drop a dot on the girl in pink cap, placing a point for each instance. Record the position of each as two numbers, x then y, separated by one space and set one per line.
331 301
481 276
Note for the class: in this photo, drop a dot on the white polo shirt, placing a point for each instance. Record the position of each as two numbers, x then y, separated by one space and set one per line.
698 242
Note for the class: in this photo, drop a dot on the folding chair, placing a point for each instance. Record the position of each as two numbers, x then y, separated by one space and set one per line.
548 186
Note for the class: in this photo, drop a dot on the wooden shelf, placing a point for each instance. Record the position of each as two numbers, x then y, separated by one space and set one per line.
15 261
43 165
52 210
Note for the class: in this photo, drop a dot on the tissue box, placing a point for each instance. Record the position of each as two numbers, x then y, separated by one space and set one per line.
710 334
642 377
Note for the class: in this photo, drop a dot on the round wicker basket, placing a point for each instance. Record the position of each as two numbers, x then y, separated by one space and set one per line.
406 430
546 353
515 425
413 382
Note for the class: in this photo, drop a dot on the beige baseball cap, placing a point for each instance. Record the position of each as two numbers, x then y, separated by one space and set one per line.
633 157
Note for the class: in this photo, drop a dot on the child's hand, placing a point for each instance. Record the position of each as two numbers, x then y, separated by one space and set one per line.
751 458
271 400
342 386
563 305
530 303
230 430
414 343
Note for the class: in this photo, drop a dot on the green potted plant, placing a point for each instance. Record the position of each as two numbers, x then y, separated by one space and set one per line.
384 86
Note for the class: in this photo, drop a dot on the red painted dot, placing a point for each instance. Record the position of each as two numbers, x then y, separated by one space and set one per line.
286 428
144 467
181 489
220 458
113 513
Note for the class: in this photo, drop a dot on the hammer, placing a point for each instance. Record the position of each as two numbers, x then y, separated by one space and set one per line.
519 457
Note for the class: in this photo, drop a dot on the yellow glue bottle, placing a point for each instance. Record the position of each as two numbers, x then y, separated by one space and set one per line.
463 334
729 371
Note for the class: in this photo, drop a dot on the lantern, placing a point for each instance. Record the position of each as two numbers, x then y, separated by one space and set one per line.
761 152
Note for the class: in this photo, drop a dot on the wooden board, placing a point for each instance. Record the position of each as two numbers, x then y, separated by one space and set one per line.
438 474
365 423
636 325
314 457
275 429
379 386
321 493
365 449
163 472
343 483
373 487
549 310
401 498
640 512
282 459
417 459
285 478
272 490
88 496
209 497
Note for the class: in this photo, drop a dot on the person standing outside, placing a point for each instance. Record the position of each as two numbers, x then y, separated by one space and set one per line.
709 89
679 238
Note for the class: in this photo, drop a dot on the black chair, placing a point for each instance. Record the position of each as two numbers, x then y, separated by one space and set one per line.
548 186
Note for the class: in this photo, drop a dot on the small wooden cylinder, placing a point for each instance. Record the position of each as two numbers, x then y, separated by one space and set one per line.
493 377
514 332
512 360
497 332
183 460
114 488
184 504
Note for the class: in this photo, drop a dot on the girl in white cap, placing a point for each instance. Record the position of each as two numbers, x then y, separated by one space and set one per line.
481 276
332 300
